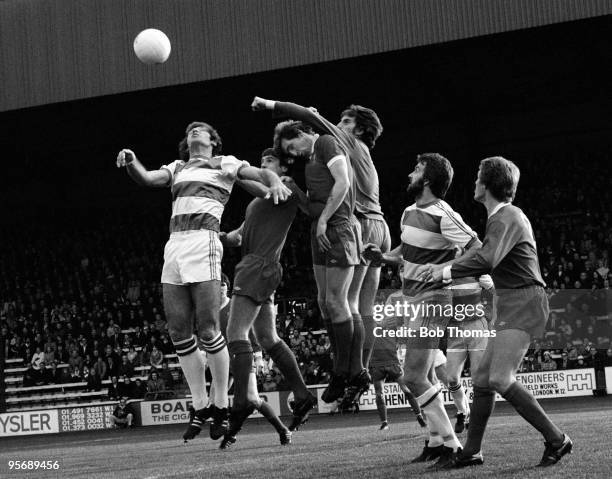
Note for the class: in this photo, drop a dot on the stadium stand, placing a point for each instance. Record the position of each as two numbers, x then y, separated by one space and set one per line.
81 307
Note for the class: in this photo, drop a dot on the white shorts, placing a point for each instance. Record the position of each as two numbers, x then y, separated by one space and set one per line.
439 359
192 257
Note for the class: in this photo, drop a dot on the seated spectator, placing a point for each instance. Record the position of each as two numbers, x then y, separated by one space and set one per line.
75 361
166 375
125 368
54 375
122 416
101 368
125 386
133 356
564 362
37 359
165 345
138 389
113 388
94 383
65 375
155 383
548 364
112 367
156 357
30 376
76 376
49 357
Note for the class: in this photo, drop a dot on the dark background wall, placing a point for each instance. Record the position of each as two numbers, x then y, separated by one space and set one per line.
62 50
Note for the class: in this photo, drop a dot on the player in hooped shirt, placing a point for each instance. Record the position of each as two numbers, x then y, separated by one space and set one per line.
509 253
431 233
201 183
356 133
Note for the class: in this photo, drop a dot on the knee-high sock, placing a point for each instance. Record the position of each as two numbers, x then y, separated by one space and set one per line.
368 342
527 406
284 358
332 340
241 360
381 407
266 411
357 345
218 361
482 408
458 395
194 368
431 401
344 339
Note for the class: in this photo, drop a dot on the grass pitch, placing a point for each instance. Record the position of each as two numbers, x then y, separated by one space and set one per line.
347 446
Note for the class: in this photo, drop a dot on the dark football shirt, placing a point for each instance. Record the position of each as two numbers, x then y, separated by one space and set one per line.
320 181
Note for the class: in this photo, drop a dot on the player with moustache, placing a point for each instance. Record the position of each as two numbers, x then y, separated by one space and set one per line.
357 132
201 182
509 254
431 233
261 237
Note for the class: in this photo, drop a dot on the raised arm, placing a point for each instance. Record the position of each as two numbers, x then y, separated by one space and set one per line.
277 190
297 112
254 188
156 178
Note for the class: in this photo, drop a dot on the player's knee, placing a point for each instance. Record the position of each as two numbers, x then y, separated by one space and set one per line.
179 332
208 331
499 382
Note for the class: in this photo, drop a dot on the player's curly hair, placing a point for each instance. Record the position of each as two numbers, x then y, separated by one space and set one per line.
288 130
183 149
367 120
500 177
438 172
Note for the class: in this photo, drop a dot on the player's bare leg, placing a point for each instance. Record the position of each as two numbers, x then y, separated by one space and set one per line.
206 297
178 307
337 283
367 296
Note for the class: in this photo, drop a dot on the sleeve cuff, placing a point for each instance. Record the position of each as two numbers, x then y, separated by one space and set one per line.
334 160
270 104
446 273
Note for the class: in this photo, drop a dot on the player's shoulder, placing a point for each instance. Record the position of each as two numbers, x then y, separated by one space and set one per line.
445 210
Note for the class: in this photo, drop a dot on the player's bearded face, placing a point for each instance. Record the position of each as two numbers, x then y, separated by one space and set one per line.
416 183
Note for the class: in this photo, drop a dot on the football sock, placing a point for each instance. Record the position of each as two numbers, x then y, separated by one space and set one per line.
368 342
241 359
431 400
530 410
344 339
482 408
458 395
218 361
357 345
284 358
332 340
194 368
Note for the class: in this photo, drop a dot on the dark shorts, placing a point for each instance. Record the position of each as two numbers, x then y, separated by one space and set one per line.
257 278
525 309
345 239
429 326
374 231
386 372
467 335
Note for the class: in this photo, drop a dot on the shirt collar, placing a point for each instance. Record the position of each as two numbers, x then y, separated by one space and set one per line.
497 208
